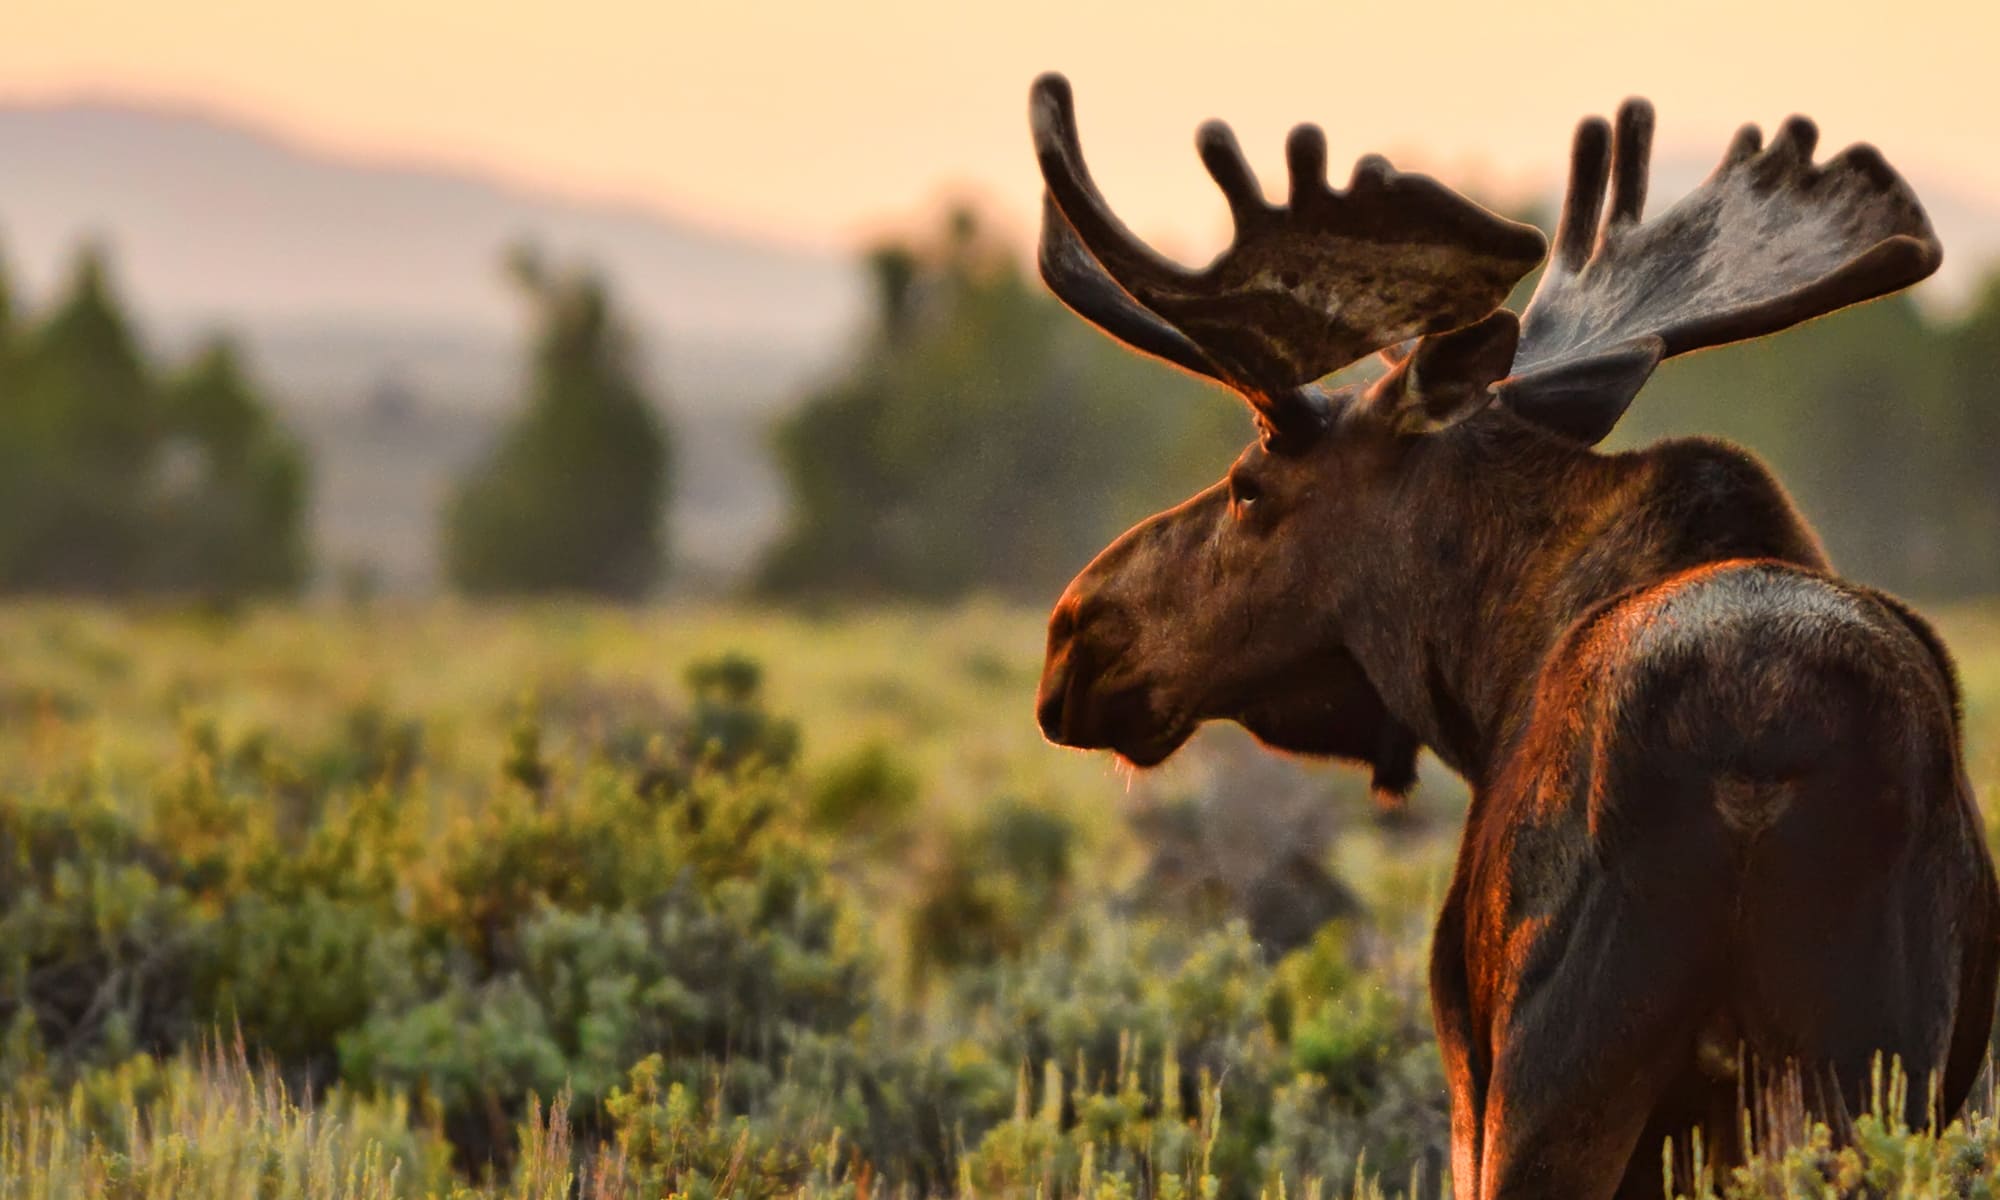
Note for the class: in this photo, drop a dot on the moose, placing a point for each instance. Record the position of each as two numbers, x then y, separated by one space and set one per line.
1721 841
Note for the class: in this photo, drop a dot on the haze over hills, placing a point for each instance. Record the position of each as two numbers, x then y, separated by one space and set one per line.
313 256
371 295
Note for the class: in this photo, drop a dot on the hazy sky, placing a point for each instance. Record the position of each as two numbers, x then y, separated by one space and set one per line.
824 122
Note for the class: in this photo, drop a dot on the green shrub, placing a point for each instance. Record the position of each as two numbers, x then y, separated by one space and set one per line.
99 942
869 789
992 887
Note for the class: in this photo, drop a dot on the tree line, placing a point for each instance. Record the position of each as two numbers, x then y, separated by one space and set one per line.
121 475
986 440
978 439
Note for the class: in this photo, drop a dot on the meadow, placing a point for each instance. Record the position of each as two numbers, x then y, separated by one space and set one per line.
571 901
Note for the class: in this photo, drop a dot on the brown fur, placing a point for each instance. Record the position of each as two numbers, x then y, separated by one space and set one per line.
1718 794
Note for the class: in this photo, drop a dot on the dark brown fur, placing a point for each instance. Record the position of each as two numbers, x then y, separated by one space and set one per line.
1718 795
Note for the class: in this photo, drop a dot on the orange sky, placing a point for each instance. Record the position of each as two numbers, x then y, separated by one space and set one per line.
823 122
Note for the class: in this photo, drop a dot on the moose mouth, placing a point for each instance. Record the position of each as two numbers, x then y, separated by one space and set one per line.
1152 751
1128 722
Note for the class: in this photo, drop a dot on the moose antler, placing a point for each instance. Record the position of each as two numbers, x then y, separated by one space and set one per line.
1302 290
1767 241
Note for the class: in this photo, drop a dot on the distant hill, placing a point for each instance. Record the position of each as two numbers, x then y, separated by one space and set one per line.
371 296
338 267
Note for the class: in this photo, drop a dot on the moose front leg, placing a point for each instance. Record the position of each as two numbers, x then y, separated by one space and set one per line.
1465 1053
1600 1004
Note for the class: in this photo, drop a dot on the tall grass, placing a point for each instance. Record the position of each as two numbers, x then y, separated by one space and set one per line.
207 1125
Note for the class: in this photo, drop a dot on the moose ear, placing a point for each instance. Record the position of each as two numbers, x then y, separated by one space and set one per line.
1583 398
1448 377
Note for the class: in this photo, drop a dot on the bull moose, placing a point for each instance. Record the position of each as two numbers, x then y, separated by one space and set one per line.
1720 831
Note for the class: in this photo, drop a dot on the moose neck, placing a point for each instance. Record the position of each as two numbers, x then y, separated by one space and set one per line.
1511 534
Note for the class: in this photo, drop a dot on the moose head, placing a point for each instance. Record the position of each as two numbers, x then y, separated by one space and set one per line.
1381 568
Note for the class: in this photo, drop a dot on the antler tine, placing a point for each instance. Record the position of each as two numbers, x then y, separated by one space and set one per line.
1589 167
1791 150
1305 162
1749 140
1079 281
1216 143
1052 118
1631 162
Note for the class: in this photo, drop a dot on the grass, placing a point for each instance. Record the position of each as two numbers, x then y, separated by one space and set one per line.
395 903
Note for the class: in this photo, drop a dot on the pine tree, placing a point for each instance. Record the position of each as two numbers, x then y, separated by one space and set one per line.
111 483
574 497
984 438
229 486
79 427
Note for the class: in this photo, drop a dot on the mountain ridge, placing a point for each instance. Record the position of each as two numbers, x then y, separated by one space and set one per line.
213 221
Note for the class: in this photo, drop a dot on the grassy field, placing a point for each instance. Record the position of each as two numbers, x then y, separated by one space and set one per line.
549 901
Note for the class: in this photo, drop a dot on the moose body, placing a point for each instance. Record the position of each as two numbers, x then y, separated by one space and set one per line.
1729 836
1719 830
1721 845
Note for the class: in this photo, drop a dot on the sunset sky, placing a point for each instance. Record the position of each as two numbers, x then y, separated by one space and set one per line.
821 123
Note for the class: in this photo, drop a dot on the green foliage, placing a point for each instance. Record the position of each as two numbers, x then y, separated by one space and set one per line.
729 725
983 439
574 496
232 489
98 941
992 887
869 789
114 478
1367 1088
607 941
668 1142
544 943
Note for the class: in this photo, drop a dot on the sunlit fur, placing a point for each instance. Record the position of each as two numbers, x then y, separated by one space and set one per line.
1718 793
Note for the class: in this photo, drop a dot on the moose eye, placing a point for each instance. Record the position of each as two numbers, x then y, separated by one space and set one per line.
1244 491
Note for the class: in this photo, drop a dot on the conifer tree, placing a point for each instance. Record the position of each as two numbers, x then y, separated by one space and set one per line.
983 438
111 483
80 427
574 496
229 485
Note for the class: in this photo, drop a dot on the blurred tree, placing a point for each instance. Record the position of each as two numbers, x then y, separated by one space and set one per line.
574 496
229 485
110 483
983 438
6 317
79 426
11 402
